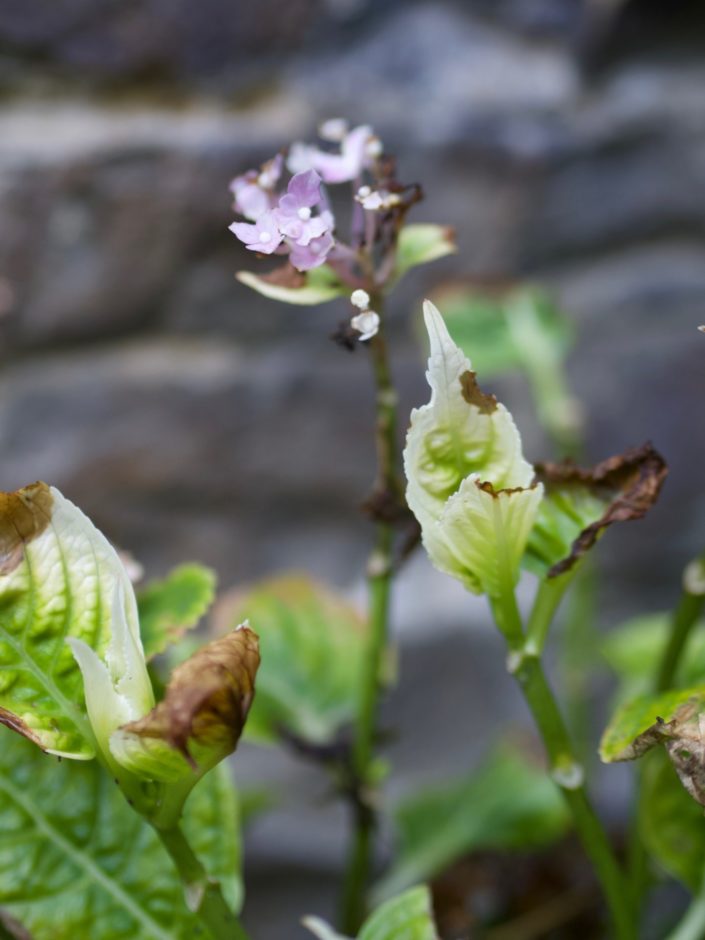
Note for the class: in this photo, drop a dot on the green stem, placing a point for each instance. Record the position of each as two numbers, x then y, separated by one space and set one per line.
566 771
379 576
548 598
685 616
203 896
692 925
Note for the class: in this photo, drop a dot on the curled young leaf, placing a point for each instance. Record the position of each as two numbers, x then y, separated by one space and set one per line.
469 485
62 584
580 504
292 287
201 717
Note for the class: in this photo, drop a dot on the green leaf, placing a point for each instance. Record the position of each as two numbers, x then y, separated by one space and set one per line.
501 331
634 649
671 824
419 244
76 861
168 608
508 803
469 485
636 718
406 917
61 580
312 646
314 287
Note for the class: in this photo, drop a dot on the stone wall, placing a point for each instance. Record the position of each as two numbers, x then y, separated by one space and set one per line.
193 419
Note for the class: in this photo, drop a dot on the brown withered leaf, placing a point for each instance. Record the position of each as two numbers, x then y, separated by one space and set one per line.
473 394
684 740
24 515
207 698
628 483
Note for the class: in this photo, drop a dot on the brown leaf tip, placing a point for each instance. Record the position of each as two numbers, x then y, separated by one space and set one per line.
473 395
208 697
24 515
629 483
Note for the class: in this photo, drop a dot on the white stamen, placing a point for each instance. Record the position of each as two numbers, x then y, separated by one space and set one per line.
304 213
702 329
360 299
265 237
366 323
374 148
363 192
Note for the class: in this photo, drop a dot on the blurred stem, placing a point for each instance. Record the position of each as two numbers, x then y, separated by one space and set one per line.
685 616
203 896
548 598
692 925
565 769
379 576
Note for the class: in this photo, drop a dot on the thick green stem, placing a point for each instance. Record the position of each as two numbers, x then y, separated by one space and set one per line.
565 769
203 896
379 576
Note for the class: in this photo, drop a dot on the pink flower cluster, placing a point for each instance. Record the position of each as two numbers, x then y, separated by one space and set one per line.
299 222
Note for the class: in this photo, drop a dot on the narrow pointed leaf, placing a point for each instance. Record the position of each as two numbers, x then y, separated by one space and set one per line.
170 607
60 579
312 644
581 504
293 287
201 717
469 485
76 861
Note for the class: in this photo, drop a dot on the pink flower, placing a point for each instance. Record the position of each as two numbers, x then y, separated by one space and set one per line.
264 236
305 257
294 216
357 150
254 192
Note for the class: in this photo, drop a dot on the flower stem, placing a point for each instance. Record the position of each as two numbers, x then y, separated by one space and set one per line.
565 769
379 576
685 616
203 896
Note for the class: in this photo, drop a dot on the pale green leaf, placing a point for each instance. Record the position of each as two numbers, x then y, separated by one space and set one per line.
422 243
62 580
312 644
469 485
634 650
314 287
636 717
170 607
508 803
408 916
76 861
671 824
503 331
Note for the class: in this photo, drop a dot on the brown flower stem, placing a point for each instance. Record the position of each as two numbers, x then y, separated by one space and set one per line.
565 769
380 571
203 895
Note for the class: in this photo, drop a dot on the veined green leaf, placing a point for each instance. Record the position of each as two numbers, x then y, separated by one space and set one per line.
170 607
469 485
421 243
76 861
406 917
508 803
60 580
290 286
312 645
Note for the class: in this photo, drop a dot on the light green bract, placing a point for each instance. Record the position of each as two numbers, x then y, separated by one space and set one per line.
63 589
469 485
314 287
405 917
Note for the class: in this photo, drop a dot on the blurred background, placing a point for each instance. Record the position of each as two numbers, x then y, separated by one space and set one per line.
193 419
